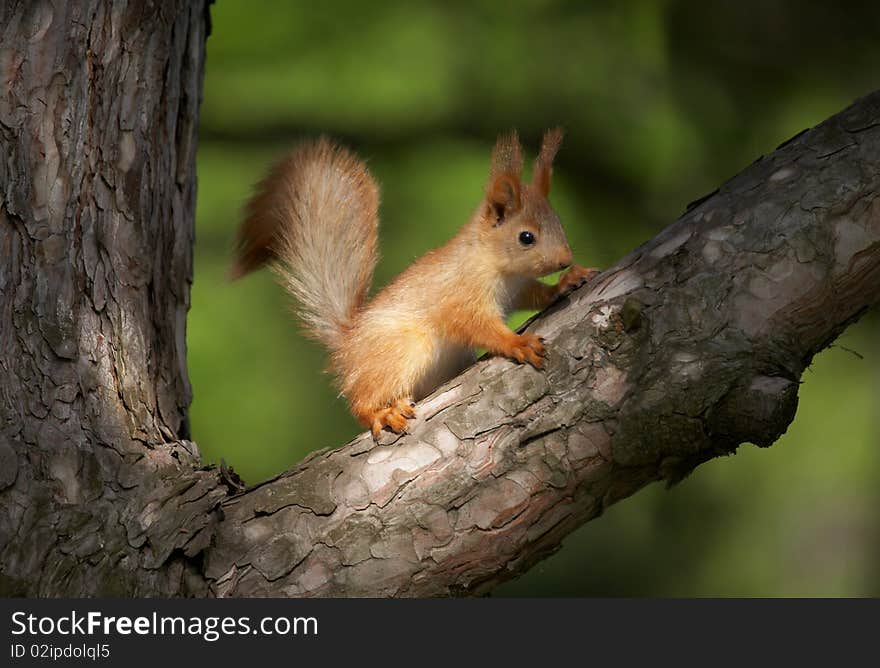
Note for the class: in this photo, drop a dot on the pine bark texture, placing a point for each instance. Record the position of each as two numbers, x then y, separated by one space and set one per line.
689 346
98 112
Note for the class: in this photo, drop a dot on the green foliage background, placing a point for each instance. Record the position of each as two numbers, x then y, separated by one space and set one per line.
662 101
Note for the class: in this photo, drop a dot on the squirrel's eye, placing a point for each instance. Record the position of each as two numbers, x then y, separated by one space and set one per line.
526 238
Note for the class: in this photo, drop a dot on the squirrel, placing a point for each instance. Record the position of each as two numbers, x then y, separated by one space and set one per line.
314 219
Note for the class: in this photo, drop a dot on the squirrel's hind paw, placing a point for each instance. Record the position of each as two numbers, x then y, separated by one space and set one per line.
394 417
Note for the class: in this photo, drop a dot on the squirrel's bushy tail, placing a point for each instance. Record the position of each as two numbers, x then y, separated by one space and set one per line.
316 214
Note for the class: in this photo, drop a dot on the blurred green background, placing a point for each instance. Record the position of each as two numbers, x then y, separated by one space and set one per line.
662 101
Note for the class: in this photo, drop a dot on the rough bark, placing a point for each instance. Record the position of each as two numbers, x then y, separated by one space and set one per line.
98 114
689 346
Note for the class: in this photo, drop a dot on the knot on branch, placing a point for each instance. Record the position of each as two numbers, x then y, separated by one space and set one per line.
757 411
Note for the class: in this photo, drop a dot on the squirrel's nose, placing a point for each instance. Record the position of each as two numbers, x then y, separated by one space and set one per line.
565 259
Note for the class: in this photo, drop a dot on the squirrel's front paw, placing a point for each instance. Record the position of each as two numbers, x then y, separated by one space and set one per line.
528 348
574 277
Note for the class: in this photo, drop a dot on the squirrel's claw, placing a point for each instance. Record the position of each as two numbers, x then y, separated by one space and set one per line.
574 277
529 348
394 417
405 407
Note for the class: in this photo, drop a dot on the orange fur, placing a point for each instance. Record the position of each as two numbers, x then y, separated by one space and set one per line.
543 168
319 206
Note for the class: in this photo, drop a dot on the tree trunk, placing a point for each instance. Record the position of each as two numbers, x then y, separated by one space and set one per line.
689 346
98 118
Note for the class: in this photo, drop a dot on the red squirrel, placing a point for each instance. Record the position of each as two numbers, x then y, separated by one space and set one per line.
314 217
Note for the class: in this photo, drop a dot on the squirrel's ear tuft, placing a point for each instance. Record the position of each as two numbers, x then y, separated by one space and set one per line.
544 162
503 191
503 198
507 157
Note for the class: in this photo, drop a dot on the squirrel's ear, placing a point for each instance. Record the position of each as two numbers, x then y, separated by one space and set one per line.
503 191
503 198
544 162
507 157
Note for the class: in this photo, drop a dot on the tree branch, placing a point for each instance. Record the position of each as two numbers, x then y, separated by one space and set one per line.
689 346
